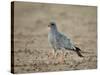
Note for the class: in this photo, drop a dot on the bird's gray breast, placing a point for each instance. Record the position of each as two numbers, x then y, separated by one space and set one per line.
56 40
52 39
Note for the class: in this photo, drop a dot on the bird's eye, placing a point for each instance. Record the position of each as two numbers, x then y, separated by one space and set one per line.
52 24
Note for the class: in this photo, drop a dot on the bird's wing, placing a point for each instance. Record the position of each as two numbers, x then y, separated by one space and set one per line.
65 41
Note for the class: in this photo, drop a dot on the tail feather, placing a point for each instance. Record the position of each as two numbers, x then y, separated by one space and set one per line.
78 52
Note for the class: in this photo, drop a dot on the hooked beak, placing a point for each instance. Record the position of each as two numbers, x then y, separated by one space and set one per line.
48 25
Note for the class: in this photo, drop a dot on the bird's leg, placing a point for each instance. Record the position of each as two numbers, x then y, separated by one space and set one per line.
55 53
60 57
63 55
52 54
64 52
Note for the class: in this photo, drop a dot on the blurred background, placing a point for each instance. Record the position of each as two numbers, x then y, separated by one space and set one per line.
31 47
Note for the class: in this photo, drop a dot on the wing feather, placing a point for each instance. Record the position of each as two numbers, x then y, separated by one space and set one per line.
65 41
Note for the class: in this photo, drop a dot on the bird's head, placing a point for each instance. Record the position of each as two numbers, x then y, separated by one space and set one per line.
52 26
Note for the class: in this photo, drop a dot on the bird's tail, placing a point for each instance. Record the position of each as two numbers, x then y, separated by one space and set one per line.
78 52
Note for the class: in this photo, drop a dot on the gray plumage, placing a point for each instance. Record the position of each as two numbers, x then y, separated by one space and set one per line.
59 41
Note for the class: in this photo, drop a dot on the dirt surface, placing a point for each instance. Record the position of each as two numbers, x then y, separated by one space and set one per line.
32 52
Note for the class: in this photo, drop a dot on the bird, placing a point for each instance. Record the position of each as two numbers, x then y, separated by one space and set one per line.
60 41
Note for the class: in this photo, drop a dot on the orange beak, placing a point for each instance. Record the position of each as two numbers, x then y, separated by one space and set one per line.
48 25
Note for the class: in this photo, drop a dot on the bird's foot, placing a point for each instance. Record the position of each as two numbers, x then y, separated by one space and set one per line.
61 57
61 60
53 54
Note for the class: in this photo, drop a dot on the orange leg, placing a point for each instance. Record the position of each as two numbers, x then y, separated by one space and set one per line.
61 57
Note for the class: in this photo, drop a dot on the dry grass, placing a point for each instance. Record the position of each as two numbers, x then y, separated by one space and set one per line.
31 49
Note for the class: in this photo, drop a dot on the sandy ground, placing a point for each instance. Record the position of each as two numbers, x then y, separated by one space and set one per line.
32 52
